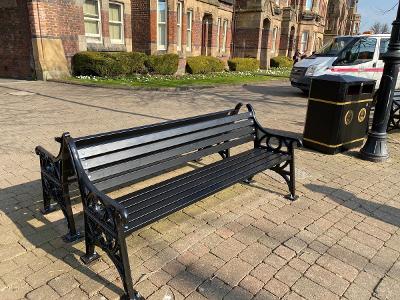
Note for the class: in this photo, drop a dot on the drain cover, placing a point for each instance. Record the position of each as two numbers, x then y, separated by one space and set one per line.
21 93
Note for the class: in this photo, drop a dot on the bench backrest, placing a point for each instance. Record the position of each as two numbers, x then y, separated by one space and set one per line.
123 157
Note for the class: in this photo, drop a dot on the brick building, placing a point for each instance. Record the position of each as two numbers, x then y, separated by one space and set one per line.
342 19
39 37
45 34
189 28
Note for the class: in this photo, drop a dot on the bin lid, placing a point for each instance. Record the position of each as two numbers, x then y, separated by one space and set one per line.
343 78
341 88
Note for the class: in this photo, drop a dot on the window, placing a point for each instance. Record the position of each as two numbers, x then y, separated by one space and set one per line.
383 48
92 19
161 25
304 41
274 36
224 32
361 51
316 6
116 23
189 16
219 35
309 4
179 26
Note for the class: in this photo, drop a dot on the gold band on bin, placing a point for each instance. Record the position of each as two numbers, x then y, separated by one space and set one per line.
340 103
332 146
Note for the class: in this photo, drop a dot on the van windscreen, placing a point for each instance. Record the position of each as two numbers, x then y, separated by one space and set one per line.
334 47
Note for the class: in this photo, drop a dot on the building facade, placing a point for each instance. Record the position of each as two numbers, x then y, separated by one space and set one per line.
39 37
342 19
264 29
188 28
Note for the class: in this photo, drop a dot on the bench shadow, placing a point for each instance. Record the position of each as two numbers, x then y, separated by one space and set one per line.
21 204
379 211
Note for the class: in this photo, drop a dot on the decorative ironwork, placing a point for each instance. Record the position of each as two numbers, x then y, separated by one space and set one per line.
55 186
394 121
277 143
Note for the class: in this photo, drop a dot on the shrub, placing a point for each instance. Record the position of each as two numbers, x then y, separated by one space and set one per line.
243 64
166 64
96 64
281 62
108 64
131 62
204 65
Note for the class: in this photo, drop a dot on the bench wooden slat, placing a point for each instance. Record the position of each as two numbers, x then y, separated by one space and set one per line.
110 171
169 165
161 188
122 143
236 129
190 197
194 181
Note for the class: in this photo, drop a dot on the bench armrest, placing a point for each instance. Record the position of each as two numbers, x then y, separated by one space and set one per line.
104 210
44 154
288 140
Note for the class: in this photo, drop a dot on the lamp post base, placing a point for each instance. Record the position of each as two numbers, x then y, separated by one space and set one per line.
375 149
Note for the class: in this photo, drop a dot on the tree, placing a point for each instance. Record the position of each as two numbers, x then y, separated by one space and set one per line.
380 28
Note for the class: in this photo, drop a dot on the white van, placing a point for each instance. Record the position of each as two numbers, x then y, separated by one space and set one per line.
344 55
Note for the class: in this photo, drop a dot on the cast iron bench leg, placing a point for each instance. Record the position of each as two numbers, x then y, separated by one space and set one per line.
288 175
115 247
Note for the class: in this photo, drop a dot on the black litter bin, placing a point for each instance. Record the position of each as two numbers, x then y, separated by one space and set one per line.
338 113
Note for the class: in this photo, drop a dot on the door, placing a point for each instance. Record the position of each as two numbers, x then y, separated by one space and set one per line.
359 59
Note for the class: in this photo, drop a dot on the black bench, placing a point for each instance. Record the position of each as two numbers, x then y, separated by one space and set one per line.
394 121
105 162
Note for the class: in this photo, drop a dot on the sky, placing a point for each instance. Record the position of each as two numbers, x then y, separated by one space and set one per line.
373 11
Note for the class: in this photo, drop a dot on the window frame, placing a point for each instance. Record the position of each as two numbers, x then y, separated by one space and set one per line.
122 40
94 38
165 24
189 21
304 45
219 25
179 21
225 33
274 38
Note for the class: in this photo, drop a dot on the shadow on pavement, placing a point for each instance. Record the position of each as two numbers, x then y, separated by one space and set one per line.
20 205
379 211
89 105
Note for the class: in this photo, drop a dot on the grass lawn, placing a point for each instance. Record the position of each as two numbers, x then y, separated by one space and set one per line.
187 79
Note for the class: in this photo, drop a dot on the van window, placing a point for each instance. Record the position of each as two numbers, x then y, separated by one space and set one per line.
361 51
383 48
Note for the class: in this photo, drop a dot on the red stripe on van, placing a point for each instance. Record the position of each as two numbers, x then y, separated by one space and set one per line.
339 70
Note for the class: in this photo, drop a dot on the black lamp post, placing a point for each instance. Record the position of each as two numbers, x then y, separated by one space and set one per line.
375 149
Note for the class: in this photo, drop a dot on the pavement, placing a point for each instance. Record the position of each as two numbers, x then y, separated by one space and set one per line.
340 240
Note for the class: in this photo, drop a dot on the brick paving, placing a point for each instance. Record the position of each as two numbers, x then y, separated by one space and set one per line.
340 240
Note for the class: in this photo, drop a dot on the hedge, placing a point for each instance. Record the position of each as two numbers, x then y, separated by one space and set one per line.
281 61
131 62
111 64
204 65
166 64
96 64
243 64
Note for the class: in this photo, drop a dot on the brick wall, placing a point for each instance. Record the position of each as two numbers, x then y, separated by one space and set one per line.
15 51
141 19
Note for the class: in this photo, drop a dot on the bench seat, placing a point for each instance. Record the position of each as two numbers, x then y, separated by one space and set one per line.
155 202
